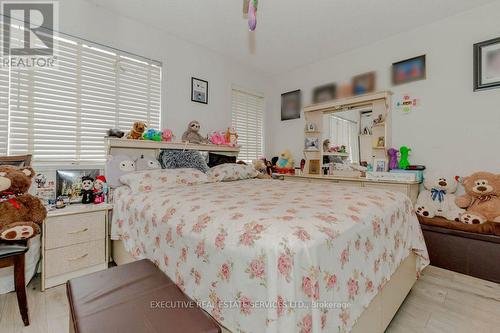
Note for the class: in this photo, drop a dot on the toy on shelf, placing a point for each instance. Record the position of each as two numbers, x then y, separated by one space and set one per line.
438 199
218 138
137 130
100 189
393 158
231 137
21 213
379 121
152 135
87 191
403 162
115 133
192 134
167 135
481 198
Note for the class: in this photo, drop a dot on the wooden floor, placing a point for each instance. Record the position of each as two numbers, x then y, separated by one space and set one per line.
442 301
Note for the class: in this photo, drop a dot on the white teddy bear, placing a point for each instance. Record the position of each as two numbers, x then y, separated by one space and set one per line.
438 199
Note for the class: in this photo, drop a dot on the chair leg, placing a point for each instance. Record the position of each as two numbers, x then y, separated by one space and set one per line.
19 282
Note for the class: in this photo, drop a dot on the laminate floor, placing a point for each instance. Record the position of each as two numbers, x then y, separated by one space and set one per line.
440 302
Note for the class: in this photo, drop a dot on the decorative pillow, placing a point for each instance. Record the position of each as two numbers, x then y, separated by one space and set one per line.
117 166
176 159
146 163
229 172
217 159
149 180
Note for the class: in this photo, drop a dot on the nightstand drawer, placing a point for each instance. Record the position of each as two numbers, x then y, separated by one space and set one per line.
72 258
74 229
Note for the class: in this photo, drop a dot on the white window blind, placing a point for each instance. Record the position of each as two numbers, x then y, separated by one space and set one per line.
247 119
61 114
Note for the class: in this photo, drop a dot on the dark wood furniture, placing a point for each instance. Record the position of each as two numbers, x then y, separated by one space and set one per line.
464 252
20 160
135 297
13 255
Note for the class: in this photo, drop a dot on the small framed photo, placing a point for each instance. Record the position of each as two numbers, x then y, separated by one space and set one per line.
314 167
199 90
487 64
291 105
364 83
311 144
409 70
311 127
380 165
325 93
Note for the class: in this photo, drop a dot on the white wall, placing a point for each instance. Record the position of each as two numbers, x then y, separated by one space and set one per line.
455 128
181 60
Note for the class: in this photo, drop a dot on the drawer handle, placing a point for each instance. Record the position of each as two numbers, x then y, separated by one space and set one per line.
78 232
78 258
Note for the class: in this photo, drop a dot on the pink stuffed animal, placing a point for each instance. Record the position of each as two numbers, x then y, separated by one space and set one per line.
217 138
167 135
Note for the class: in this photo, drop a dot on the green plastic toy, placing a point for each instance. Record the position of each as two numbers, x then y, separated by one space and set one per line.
403 162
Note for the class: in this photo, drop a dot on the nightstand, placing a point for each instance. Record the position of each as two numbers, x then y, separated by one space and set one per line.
74 243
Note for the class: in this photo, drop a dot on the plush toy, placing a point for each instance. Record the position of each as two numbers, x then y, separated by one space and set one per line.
167 135
87 191
403 162
261 167
115 133
137 131
100 189
231 137
217 138
393 158
285 160
152 135
21 214
192 134
117 166
481 199
144 163
326 145
438 199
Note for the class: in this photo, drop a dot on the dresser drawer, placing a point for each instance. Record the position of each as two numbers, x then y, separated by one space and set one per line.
72 258
73 229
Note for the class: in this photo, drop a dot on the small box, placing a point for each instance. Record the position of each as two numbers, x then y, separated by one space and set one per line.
419 174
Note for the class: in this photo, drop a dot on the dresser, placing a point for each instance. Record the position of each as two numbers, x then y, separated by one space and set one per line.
409 188
74 243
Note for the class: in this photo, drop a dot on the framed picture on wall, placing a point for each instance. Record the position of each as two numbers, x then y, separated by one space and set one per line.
199 90
409 70
325 93
364 83
487 64
291 105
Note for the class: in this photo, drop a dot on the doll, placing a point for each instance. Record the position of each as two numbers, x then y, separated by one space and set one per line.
87 190
100 189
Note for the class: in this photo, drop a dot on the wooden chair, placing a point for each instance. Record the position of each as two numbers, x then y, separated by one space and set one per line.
13 255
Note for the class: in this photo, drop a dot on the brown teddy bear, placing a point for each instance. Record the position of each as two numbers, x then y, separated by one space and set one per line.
20 212
482 198
137 131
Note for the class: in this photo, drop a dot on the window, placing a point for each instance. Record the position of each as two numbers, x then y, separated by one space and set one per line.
62 114
247 114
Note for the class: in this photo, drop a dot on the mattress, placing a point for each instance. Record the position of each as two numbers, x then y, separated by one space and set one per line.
272 256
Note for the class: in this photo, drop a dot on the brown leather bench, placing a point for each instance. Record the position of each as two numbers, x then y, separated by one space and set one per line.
135 297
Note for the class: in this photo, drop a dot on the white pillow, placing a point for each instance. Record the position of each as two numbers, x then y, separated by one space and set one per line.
231 171
151 180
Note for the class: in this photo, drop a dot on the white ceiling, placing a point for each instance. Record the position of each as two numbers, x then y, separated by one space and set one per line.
290 33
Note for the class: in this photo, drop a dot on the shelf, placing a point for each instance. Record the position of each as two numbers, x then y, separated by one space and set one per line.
147 144
378 147
311 151
358 100
312 132
336 154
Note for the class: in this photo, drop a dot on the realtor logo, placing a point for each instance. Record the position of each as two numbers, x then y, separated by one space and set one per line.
28 33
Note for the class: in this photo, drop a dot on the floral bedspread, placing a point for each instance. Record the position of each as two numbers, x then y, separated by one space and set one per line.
273 256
